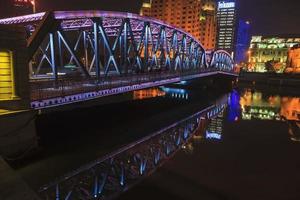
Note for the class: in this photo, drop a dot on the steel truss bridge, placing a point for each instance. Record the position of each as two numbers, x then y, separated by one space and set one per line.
80 55
108 177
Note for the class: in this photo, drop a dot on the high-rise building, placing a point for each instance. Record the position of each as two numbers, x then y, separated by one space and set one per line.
242 42
208 29
226 28
184 14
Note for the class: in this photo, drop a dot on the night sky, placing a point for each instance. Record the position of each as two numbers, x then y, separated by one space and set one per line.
267 16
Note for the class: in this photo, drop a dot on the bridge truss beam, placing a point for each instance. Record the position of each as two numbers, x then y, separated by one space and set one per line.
106 45
77 55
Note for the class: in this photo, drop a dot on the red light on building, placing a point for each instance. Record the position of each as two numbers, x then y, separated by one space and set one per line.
22 2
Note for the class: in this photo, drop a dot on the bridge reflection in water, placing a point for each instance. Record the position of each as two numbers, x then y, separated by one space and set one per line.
117 172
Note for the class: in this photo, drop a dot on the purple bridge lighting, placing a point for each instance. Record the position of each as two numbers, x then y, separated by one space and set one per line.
76 56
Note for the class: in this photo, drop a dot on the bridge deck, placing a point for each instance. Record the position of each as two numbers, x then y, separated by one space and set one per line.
50 94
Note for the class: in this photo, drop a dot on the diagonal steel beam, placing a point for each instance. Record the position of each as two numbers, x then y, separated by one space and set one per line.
71 51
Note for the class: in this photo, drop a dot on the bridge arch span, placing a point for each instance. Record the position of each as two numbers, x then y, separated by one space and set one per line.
79 55
102 43
222 60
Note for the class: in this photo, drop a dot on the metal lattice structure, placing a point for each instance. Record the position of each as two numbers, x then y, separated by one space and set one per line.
105 50
108 177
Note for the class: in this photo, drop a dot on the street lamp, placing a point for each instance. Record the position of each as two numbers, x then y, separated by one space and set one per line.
33 6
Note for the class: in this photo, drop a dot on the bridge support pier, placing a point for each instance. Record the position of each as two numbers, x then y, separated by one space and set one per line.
17 134
17 120
14 71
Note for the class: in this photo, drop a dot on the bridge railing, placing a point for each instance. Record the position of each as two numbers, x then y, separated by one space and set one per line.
46 89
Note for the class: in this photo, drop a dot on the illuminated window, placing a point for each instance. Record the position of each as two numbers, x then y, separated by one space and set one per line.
6 76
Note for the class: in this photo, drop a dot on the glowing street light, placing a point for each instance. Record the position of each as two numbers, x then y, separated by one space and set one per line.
33 5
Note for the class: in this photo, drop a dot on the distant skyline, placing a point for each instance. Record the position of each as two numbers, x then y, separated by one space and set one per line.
266 16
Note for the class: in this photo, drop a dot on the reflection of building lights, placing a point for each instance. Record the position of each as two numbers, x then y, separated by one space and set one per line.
148 93
210 135
188 148
254 106
294 131
175 92
262 113
290 108
197 137
181 83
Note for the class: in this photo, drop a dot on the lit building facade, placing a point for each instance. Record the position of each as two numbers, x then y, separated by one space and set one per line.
270 53
184 14
293 64
242 42
146 8
208 26
226 25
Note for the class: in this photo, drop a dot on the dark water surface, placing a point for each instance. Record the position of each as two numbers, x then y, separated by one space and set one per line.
249 151
254 154
74 138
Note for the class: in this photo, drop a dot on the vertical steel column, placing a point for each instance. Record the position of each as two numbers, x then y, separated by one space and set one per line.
183 50
162 50
85 46
61 61
134 45
96 47
52 51
146 44
125 48
175 49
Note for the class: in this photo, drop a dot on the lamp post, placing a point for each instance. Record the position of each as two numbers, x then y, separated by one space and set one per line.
33 6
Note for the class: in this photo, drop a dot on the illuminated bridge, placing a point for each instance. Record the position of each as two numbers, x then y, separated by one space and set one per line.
75 56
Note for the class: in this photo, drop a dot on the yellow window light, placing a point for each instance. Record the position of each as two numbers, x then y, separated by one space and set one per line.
6 76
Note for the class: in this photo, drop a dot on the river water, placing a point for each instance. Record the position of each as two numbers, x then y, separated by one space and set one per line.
247 150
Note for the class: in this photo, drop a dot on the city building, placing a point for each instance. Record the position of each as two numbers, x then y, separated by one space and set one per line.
242 42
226 25
146 8
208 25
11 8
293 64
184 14
270 53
